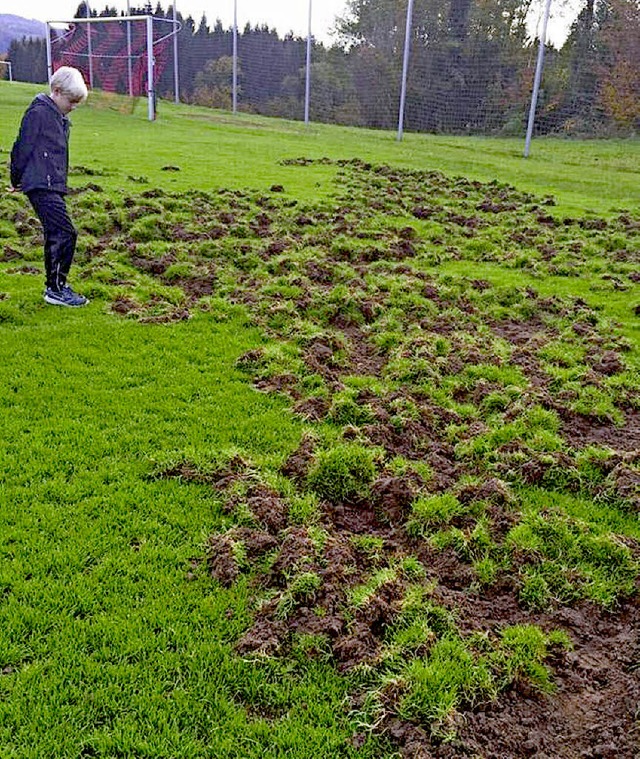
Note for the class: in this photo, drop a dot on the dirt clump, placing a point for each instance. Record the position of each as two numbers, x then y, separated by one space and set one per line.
123 305
10 254
265 505
580 431
296 467
221 561
392 497
609 363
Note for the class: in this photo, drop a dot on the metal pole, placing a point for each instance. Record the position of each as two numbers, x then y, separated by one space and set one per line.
49 61
150 91
89 45
234 87
538 77
307 89
176 78
129 65
405 68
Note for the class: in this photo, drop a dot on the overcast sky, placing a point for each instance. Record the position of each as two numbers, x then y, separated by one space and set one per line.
284 15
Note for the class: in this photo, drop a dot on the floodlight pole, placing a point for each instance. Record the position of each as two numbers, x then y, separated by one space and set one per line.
405 69
49 57
150 89
86 5
307 88
234 85
129 66
538 77
176 77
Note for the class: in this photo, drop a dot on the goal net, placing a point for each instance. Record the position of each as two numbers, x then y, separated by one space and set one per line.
469 68
125 55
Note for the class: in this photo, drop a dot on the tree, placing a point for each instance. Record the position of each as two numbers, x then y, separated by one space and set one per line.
213 84
28 58
261 52
578 110
334 98
82 9
373 31
466 57
619 78
378 24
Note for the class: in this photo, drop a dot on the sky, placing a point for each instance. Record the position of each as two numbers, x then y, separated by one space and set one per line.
284 15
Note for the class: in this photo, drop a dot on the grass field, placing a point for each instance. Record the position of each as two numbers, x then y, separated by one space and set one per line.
342 458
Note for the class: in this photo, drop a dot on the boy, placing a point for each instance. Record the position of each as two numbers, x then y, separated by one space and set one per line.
39 167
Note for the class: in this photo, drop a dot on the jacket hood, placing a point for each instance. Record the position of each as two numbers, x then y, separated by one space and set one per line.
43 100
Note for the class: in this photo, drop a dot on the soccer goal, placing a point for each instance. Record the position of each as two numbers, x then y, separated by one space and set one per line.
122 54
7 65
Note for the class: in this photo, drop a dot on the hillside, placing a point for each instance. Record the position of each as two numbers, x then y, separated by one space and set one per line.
15 27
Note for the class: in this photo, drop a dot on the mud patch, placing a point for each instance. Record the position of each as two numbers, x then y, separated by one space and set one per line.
593 711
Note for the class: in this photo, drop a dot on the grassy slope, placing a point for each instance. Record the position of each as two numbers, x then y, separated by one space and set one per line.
215 149
104 645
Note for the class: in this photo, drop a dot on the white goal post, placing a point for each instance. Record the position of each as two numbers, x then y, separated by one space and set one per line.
8 65
90 57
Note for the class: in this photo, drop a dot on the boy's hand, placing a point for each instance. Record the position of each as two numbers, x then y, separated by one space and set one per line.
12 189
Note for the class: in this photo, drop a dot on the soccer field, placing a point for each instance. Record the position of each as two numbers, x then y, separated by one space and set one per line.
342 458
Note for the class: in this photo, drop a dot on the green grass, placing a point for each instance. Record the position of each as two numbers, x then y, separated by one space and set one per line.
103 641
114 640
204 145
344 472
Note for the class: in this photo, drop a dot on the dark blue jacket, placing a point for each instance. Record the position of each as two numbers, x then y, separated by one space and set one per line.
40 154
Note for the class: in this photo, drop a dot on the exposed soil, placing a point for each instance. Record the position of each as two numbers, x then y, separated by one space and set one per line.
593 711
580 431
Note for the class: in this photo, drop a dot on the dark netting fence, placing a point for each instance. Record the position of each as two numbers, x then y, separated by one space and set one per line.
471 65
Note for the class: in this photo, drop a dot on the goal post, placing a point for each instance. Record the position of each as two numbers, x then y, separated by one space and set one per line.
9 68
122 53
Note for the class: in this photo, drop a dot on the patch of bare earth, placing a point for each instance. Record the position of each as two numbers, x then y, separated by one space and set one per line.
593 709
591 714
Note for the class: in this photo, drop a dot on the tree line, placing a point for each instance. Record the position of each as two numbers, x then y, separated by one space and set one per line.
471 68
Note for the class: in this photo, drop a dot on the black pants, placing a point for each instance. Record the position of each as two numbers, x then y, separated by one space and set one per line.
59 235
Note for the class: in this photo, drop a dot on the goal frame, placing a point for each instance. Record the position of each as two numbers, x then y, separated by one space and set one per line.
148 20
7 63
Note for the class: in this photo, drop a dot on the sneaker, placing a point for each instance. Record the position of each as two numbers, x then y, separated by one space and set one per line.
64 297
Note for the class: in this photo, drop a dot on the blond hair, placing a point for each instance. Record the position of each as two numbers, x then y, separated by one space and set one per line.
69 81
